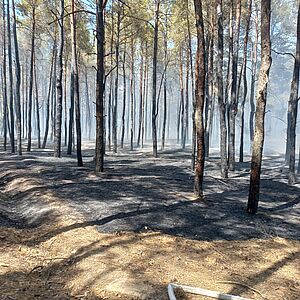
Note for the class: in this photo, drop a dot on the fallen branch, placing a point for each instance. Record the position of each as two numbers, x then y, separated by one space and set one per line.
244 285
199 291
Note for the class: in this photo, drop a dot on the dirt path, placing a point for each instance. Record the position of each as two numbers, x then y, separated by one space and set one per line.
66 233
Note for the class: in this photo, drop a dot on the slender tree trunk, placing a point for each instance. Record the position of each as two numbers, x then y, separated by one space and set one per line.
141 100
132 96
88 108
187 100
200 95
181 96
154 79
38 123
59 102
29 120
115 106
124 97
48 99
261 98
233 100
193 95
244 74
253 77
100 37
71 115
145 92
11 92
4 116
220 86
65 102
18 83
293 106
163 137
76 83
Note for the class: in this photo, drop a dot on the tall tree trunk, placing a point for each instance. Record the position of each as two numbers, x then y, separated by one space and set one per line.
193 94
253 76
76 83
293 106
200 95
88 108
18 83
4 116
261 97
11 92
187 100
145 102
38 123
71 115
48 98
163 137
181 95
233 100
220 85
154 79
100 37
29 120
115 106
141 99
124 97
59 103
65 101
132 96
244 74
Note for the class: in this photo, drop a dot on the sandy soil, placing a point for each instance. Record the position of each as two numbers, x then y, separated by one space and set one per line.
68 234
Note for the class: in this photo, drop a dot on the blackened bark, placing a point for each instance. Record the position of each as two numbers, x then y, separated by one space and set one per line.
221 102
244 75
293 106
57 138
100 36
48 99
38 123
29 119
4 116
124 97
200 95
261 98
11 92
76 84
154 79
18 83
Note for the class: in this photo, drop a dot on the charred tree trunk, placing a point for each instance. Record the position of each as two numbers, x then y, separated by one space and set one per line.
261 98
48 99
163 136
154 79
100 37
132 96
141 100
4 116
76 84
221 102
200 95
233 100
253 77
181 94
71 115
59 103
18 83
29 120
115 105
244 75
293 106
38 123
124 97
11 92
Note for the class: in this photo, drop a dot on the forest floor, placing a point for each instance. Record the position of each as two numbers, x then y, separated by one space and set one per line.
67 234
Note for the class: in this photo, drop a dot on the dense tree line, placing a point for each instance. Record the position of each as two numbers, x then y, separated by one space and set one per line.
133 71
